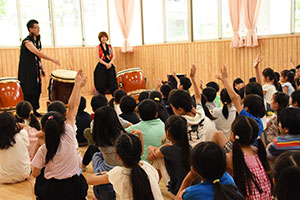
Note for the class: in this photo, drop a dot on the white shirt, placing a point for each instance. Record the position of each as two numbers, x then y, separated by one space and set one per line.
200 127
270 89
120 178
14 161
289 86
223 124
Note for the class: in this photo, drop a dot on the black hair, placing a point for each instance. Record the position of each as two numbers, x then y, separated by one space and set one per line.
283 161
210 93
225 98
255 105
298 67
213 85
247 131
254 88
283 101
288 184
24 111
268 72
205 108
31 23
181 99
252 80
185 82
157 98
127 104
177 128
82 104
107 127
143 95
293 70
9 128
290 76
165 89
290 118
118 94
241 92
295 97
57 106
277 75
98 101
129 148
209 161
237 81
147 109
53 126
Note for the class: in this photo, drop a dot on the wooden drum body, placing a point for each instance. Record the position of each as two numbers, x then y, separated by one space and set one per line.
10 93
131 79
61 85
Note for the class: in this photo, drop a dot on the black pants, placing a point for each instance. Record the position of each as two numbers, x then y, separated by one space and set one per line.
34 100
88 155
105 79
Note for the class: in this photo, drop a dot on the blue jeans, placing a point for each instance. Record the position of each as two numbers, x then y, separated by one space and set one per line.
106 191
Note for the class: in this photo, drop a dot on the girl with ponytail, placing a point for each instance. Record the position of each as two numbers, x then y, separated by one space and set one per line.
287 80
136 179
225 115
24 114
248 164
209 163
56 164
162 111
173 161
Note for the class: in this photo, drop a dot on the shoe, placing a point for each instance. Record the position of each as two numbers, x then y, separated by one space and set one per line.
37 114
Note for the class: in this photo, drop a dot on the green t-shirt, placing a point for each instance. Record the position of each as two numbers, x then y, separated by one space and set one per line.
152 130
218 101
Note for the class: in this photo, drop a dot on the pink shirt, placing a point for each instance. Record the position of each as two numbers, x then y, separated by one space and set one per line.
66 162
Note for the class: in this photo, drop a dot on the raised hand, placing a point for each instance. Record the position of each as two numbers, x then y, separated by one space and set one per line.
193 71
80 78
257 61
223 74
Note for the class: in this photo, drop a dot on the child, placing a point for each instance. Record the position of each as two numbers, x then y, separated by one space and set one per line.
115 101
24 112
172 160
295 99
143 95
57 162
128 105
238 84
200 127
279 102
289 126
217 88
14 157
287 79
253 107
209 163
83 120
286 175
184 83
136 179
162 111
225 115
247 163
153 129
165 90
210 94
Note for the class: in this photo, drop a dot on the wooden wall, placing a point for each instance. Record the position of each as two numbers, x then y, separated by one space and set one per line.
158 60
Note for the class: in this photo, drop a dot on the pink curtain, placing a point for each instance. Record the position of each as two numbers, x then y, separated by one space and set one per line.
125 12
251 11
235 9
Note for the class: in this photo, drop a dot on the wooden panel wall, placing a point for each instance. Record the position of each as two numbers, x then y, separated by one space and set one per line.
158 60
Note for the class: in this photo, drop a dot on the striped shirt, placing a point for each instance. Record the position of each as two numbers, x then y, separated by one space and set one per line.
283 144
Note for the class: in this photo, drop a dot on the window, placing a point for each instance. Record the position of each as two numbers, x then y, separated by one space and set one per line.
153 21
95 20
176 20
226 23
205 19
41 14
67 22
9 34
297 16
274 17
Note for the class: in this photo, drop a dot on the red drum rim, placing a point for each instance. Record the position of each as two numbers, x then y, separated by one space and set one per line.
120 73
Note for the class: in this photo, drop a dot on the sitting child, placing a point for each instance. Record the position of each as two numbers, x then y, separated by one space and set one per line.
217 88
83 120
165 90
210 94
128 105
295 99
115 101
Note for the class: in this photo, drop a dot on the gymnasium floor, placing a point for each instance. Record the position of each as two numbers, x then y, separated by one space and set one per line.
25 190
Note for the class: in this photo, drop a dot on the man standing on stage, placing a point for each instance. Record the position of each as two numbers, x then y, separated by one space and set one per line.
30 66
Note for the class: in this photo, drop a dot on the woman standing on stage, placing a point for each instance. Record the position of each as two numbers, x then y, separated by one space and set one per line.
105 74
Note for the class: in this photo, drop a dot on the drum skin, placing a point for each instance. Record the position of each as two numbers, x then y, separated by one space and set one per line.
10 93
61 85
131 79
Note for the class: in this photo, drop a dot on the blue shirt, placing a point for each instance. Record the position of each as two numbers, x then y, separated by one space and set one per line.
258 120
205 190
